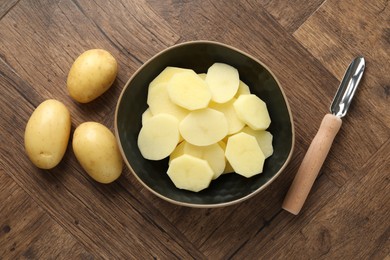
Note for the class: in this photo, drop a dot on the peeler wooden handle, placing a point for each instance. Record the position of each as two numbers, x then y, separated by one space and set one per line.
311 164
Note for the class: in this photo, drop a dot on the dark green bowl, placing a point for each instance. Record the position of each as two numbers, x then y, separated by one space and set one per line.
199 55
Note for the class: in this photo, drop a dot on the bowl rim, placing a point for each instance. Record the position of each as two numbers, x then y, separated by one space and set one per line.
212 205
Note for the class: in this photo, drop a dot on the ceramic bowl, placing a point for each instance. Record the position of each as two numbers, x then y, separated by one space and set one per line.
199 55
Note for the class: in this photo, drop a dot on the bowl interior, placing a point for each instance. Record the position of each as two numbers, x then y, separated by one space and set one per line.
228 188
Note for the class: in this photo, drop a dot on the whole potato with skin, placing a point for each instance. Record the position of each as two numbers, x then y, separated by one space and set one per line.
92 74
97 151
47 134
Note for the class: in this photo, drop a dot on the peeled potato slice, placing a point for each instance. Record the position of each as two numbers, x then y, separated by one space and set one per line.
158 137
207 123
160 102
190 173
213 154
179 150
146 115
228 167
204 127
264 139
202 75
166 75
244 154
188 90
223 81
253 111
234 123
243 89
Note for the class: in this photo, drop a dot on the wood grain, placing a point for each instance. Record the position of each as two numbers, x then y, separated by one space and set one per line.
341 227
123 215
311 164
307 45
26 231
291 14
67 29
6 6
334 40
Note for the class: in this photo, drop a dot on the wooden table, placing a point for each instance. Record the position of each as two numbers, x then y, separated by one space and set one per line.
62 213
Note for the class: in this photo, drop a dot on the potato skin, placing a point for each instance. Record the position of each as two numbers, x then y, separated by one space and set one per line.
47 134
91 74
95 147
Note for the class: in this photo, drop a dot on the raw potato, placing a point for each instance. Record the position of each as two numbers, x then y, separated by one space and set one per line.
244 154
146 115
92 74
159 102
202 75
158 137
96 149
188 90
190 173
204 127
234 123
253 111
166 75
179 150
215 114
47 134
243 89
264 139
213 154
228 167
223 81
